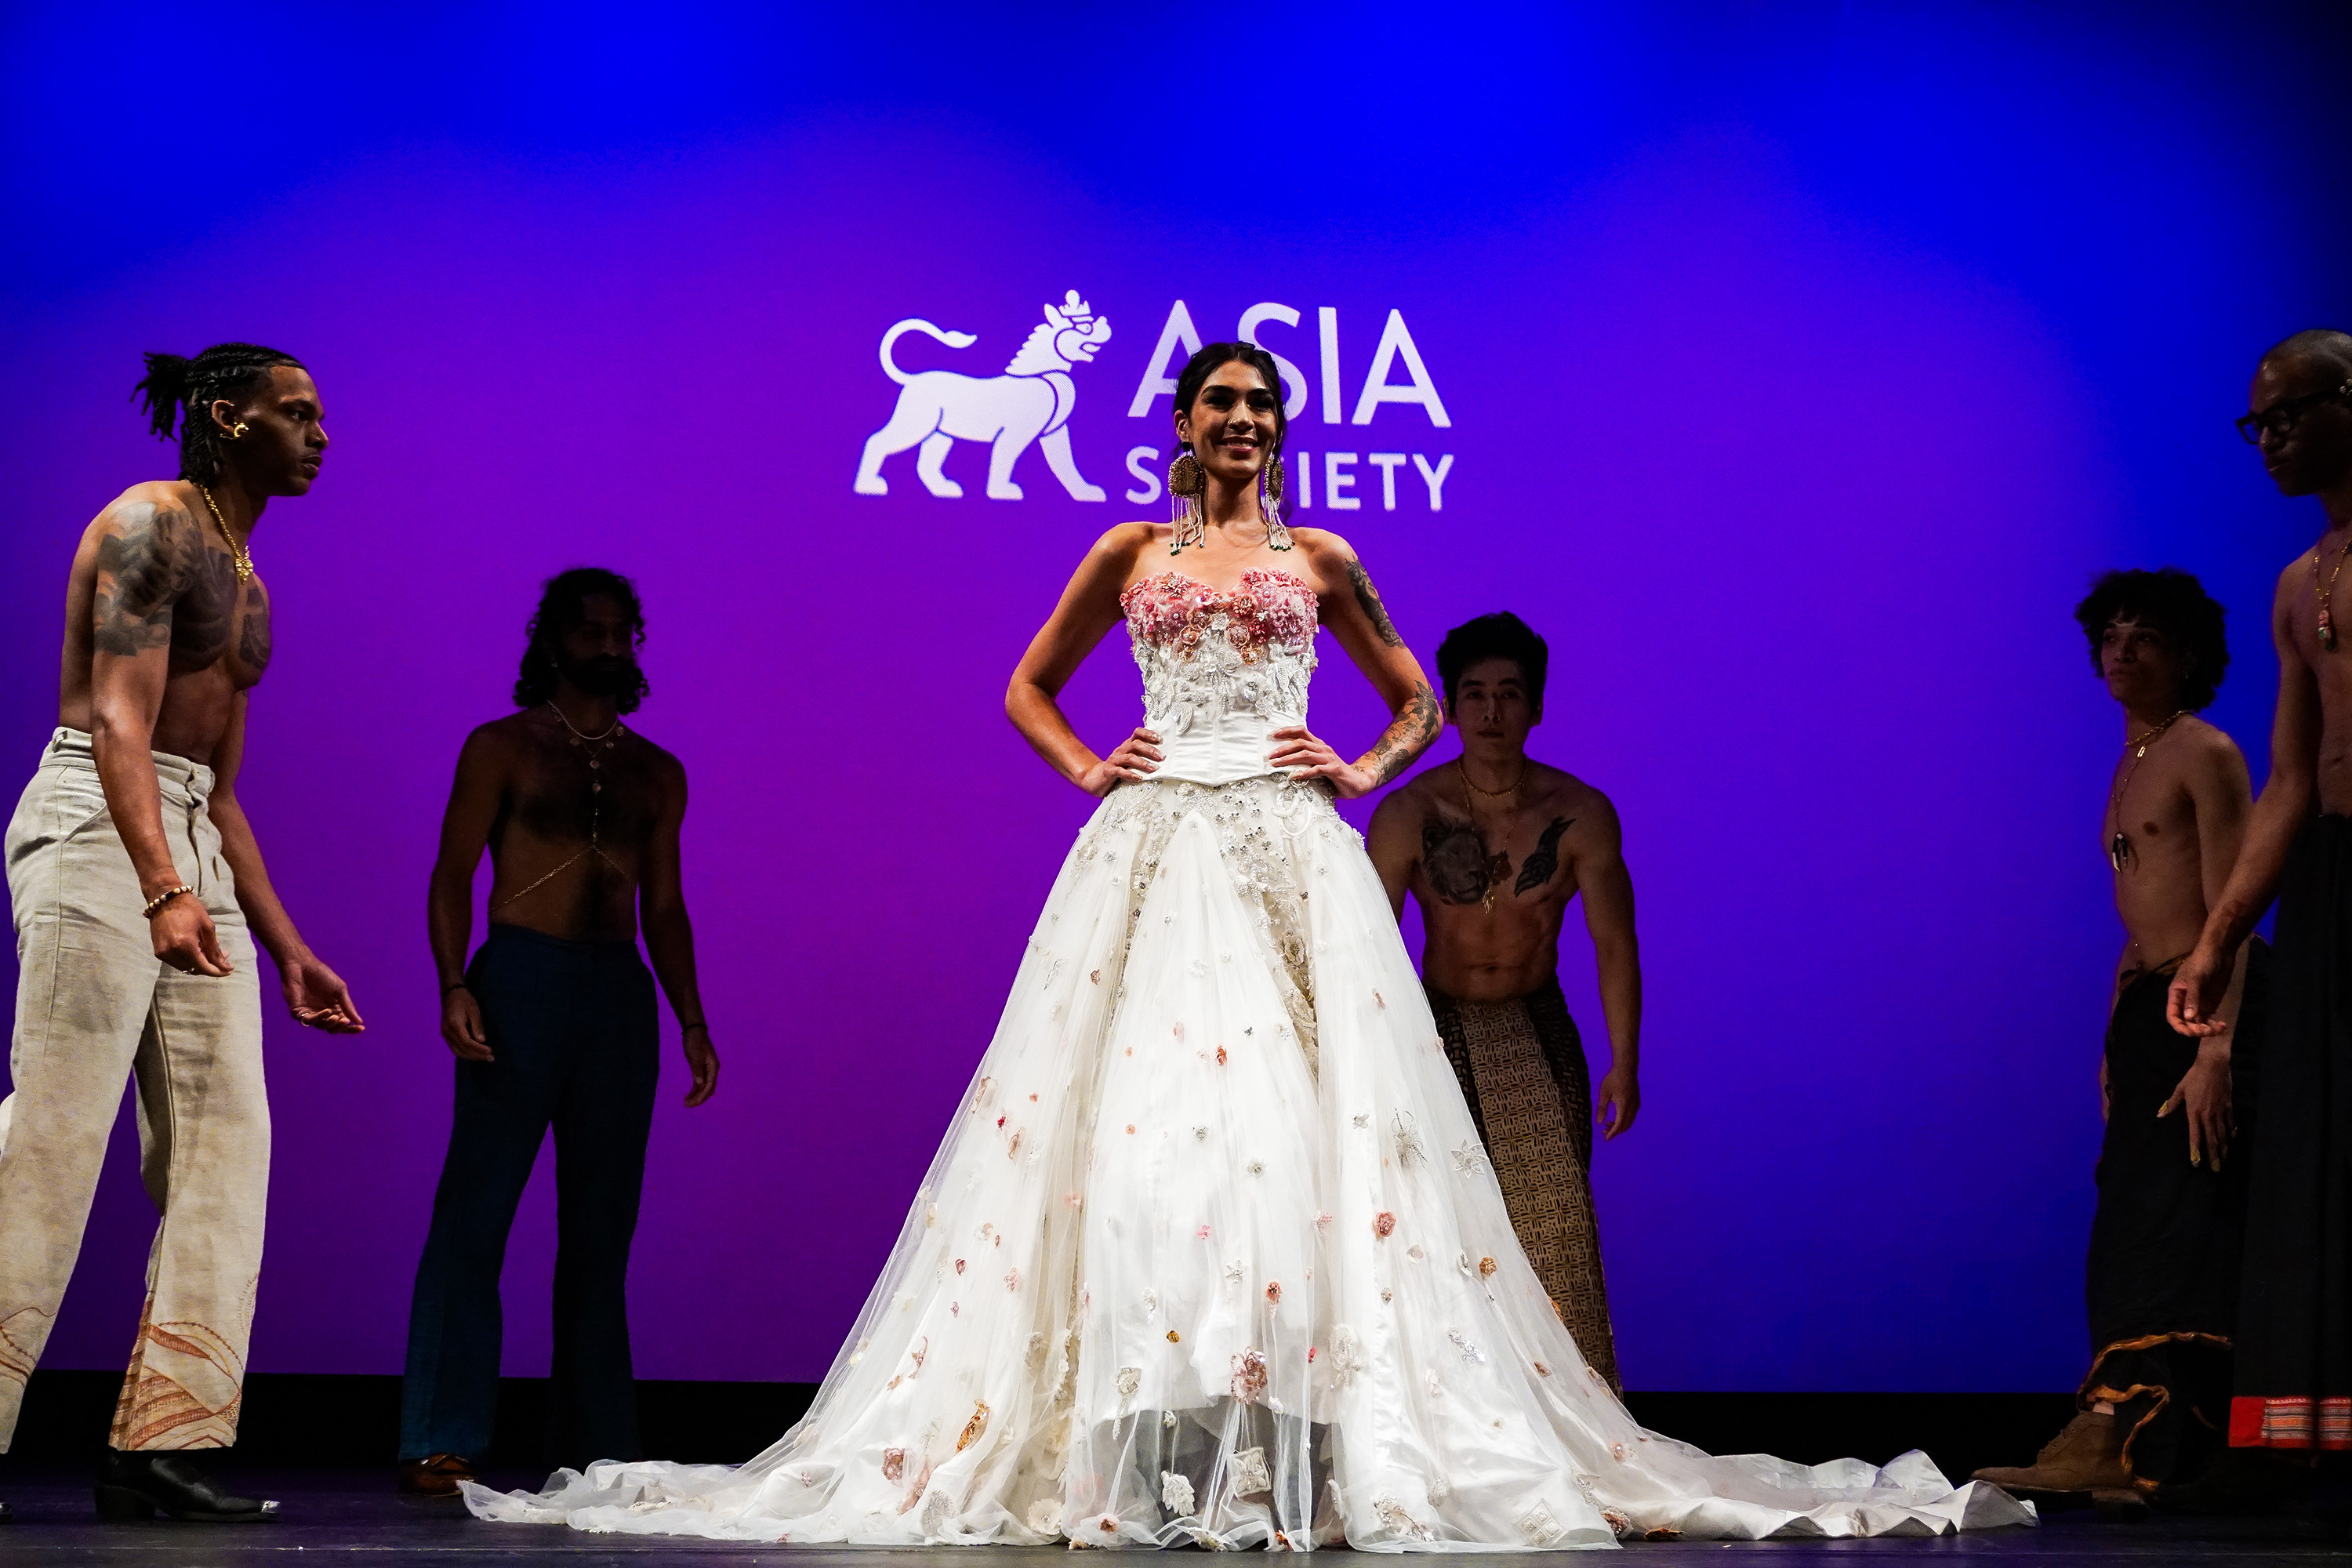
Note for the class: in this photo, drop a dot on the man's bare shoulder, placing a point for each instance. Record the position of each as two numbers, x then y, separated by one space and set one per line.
661 762
1562 791
2208 746
157 509
1417 795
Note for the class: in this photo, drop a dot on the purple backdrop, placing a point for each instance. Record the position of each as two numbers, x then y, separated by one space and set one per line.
1796 380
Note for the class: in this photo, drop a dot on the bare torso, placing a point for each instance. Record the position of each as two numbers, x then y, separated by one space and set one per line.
2331 669
573 825
165 548
2162 886
1493 878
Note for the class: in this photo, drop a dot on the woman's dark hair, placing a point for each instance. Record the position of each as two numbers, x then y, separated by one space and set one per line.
2175 603
1196 374
174 386
562 605
1499 635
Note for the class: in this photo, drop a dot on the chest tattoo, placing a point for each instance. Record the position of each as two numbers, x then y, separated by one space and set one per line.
1546 860
253 638
1455 860
201 619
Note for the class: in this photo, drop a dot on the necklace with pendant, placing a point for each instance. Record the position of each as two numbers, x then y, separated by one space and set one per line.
2120 847
1499 866
593 745
243 561
2327 596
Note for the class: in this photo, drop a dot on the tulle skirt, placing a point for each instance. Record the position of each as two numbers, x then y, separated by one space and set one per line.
1212 1255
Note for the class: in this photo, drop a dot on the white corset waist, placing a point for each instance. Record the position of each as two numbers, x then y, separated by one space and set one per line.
1216 750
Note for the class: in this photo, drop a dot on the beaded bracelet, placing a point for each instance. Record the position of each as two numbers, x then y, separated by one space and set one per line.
165 897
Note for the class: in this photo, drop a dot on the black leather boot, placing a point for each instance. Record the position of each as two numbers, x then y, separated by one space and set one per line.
143 1484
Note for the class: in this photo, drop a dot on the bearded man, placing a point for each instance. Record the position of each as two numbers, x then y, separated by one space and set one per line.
553 1024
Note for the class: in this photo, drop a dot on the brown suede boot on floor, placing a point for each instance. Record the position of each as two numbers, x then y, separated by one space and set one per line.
2087 1456
435 1475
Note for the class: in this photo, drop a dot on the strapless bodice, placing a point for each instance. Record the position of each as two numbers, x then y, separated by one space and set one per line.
1223 670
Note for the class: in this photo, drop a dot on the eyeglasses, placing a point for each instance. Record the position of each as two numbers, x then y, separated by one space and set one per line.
2283 417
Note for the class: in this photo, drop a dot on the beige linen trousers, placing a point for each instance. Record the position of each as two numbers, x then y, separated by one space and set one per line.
95 1006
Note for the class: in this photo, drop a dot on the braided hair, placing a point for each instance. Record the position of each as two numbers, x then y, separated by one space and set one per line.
185 389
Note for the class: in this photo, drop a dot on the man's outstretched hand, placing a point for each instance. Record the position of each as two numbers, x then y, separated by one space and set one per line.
2204 1093
316 996
1618 1102
2198 987
703 1058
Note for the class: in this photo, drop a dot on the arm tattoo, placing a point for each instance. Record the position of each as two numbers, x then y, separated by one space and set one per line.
1367 598
1415 726
142 572
1546 860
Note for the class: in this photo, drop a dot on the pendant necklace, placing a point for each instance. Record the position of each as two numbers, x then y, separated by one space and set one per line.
2119 848
244 560
1499 866
2326 595
593 745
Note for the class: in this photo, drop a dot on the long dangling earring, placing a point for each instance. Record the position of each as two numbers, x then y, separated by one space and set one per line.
1185 483
1269 502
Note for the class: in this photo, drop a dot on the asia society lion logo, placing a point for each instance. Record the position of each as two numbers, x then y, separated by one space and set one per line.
1031 402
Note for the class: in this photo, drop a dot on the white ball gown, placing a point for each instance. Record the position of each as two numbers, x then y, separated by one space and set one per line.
1210 1253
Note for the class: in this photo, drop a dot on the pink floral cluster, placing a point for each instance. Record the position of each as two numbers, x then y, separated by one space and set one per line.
1172 610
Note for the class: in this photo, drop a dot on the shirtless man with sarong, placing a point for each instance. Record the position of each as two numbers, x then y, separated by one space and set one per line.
2162 1278
553 1024
2293 1378
1493 846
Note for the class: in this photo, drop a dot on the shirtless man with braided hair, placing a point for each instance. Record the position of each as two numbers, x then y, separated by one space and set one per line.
139 894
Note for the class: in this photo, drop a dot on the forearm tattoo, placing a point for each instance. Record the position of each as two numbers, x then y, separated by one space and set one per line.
142 572
1407 736
1367 598
1546 860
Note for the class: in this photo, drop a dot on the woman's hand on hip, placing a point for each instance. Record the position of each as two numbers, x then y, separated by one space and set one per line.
1298 753
1137 758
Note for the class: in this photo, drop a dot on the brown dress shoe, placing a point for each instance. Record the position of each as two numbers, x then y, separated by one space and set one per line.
2087 1456
435 1475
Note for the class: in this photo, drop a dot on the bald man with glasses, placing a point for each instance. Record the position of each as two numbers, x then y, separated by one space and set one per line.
2293 1381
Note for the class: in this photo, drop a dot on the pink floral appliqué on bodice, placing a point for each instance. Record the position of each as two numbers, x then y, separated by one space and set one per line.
1208 655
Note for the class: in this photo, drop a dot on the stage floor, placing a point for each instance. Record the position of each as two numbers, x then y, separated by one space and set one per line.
355 1517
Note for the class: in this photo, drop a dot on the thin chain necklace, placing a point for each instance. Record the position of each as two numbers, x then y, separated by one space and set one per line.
2326 595
1498 866
2120 847
236 551
595 846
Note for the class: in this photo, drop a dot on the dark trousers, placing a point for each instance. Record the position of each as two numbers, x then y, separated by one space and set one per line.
573 1026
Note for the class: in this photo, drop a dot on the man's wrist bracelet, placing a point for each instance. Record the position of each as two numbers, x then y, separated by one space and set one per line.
455 985
697 1023
165 897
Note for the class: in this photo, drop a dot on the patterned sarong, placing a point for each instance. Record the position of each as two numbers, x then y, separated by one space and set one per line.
1521 1066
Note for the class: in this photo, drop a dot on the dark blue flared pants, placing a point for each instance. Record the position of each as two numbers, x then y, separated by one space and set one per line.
574 1028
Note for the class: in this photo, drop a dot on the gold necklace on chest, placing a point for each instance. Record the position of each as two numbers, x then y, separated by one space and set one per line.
2327 596
2120 846
597 747
236 551
1498 866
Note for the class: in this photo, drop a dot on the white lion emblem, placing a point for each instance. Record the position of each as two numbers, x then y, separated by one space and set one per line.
1030 402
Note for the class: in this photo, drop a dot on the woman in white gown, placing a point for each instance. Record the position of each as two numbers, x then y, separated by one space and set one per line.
1211 1253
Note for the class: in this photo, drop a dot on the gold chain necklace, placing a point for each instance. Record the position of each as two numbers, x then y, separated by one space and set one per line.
1464 768
595 805
2119 848
2326 595
236 551
1499 866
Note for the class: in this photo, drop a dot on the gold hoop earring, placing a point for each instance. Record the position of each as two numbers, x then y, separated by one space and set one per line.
236 431
1185 483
